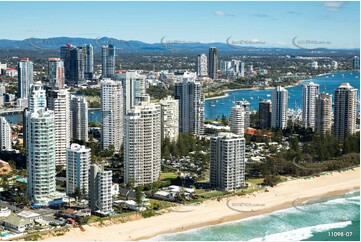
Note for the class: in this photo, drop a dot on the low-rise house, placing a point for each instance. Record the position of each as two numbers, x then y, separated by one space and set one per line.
29 215
17 224
4 212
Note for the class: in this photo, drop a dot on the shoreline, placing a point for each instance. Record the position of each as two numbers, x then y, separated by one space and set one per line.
212 212
267 88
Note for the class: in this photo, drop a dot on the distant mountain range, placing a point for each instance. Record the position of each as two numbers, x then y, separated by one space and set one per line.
134 46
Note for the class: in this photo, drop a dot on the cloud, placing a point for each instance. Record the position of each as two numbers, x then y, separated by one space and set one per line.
334 6
261 15
222 13
293 13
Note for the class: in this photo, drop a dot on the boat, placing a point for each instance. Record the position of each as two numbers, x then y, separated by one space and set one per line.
268 95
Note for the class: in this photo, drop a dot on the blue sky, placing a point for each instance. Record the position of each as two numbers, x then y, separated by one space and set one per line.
275 23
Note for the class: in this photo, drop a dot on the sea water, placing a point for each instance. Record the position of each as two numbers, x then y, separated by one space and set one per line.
311 221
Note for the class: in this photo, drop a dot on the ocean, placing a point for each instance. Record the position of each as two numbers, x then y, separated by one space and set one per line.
334 218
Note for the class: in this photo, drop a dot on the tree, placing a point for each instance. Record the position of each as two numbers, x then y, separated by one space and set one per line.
139 196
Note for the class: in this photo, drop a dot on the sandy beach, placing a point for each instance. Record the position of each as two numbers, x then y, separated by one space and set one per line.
211 212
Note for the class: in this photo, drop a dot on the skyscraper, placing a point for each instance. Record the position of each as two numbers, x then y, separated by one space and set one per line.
5 135
142 144
2 91
25 77
213 62
279 108
201 66
241 69
170 118
237 120
345 110
88 61
100 189
227 166
324 113
133 88
247 112
77 169
108 61
37 97
65 57
355 62
76 65
112 114
56 73
40 155
309 94
265 114
191 106
58 101
79 117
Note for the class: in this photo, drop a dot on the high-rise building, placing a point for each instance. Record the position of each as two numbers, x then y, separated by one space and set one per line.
37 97
201 66
224 66
227 166
191 106
88 61
247 112
56 73
213 62
334 65
108 61
25 77
76 65
112 114
241 69
65 57
355 62
314 65
40 155
133 88
100 189
309 94
237 120
345 110
279 108
265 114
79 117
77 169
2 92
142 144
170 118
58 101
324 113
5 135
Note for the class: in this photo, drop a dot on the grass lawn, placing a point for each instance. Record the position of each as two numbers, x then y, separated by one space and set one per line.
168 176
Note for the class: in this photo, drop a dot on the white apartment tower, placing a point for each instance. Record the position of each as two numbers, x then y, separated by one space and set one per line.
247 112
142 144
279 108
170 118
77 169
309 94
191 106
25 77
40 154
237 120
100 189
59 102
79 117
324 113
133 88
112 114
5 135
227 167
201 67
56 73
345 110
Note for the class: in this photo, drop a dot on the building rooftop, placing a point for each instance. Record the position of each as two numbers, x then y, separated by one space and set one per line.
17 221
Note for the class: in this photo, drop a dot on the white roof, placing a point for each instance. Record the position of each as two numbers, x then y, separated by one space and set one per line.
28 214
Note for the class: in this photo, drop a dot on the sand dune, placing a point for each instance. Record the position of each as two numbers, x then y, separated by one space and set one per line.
284 195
